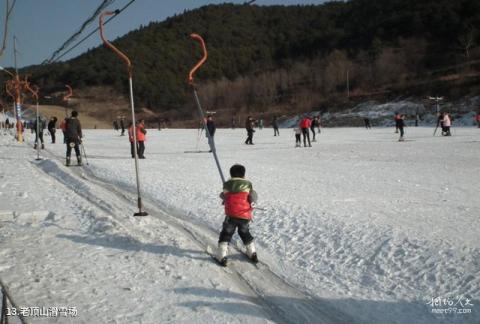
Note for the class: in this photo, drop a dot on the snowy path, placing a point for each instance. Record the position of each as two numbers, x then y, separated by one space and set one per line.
284 303
82 251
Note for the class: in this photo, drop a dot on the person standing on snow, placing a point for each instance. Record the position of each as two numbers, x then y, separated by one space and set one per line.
397 118
298 136
73 137
122 125
141 132
249 124
447 123
400 124
275 127
52 128
314 123
211 130
238 197
305 124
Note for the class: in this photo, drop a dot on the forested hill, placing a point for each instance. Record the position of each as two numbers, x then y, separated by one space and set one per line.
274 55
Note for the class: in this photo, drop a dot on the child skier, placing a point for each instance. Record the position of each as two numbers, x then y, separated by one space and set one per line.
238 197
298 138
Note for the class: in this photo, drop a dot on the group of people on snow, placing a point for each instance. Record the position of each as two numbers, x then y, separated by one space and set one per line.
306 125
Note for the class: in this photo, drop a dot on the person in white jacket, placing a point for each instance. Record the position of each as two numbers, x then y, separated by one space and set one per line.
447 123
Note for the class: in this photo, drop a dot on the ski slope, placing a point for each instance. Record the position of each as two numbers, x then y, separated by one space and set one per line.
359 228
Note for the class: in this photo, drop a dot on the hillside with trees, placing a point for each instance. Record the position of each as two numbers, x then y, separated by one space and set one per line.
278 59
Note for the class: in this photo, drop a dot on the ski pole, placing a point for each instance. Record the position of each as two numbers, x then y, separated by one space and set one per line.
211 142
124 58
84 152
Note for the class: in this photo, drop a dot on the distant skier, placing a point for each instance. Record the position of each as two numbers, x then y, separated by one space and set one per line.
396 118
439 122
122 125
275 127
400 124
305 126
298 136
233 122
367 123
115 125
447 123
477 119
238 197
52 128
211 129
141 137
249 124
38 129
73 137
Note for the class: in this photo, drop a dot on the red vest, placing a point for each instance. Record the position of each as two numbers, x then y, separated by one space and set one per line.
237 205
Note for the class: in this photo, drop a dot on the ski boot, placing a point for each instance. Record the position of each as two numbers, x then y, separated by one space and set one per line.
222 253
79 160
43 146
68 161
401 139
251 253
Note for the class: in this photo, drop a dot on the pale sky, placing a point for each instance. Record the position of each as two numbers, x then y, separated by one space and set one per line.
42 26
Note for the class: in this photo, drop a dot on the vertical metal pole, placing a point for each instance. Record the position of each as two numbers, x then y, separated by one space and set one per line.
137 169
211 142
38 133
18 115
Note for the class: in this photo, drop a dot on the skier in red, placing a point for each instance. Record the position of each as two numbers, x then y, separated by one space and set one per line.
238 197
305 124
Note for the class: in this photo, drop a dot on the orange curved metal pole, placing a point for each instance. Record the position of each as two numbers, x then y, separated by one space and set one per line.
120 54
202 60
69 94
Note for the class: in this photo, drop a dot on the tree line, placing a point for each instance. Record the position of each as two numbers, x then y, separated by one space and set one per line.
275 57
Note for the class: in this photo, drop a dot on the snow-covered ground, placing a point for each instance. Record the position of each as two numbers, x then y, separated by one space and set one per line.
359 228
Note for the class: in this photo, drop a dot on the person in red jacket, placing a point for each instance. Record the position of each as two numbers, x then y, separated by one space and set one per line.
141 132
477 118
238 196
305 124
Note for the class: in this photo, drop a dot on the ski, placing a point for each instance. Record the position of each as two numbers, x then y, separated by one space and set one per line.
210 251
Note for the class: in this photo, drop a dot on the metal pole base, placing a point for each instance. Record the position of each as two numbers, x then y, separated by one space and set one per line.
140 211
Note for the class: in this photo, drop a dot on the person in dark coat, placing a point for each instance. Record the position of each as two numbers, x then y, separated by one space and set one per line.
211 129
249 124
122 125
275 127
73 136
52 128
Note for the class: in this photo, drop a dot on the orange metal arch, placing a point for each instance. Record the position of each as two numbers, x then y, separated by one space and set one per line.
122 56
202 60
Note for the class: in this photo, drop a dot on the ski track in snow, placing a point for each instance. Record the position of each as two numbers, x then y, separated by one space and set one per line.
371 228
